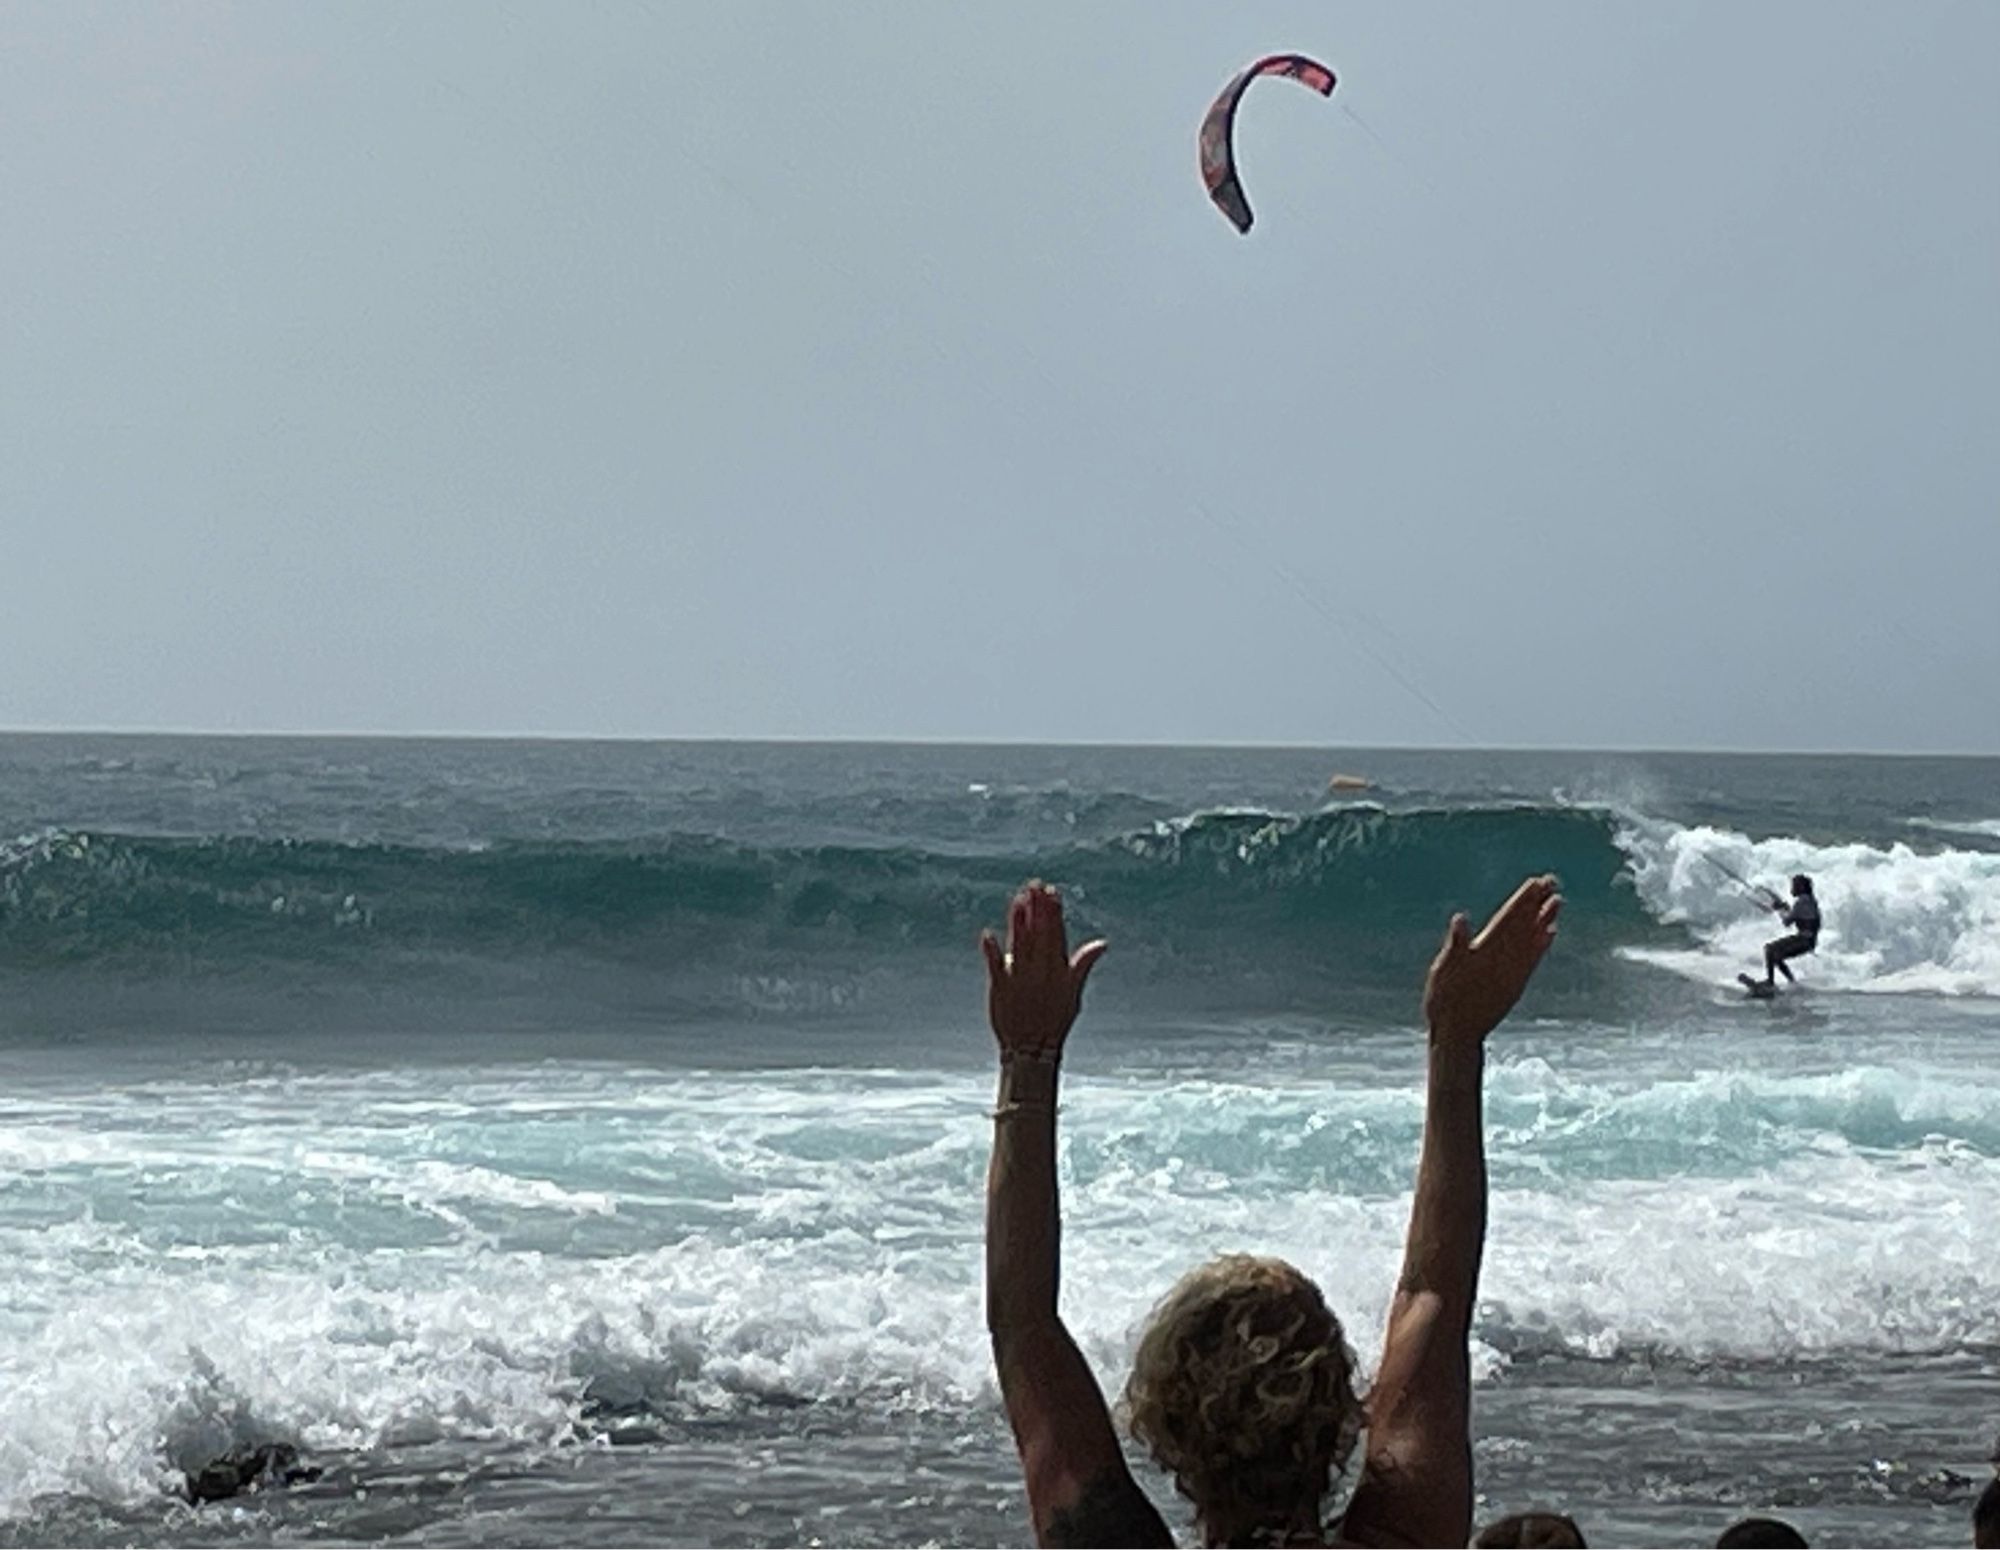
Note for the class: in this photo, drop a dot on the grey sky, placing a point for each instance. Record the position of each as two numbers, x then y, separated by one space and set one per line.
1607 375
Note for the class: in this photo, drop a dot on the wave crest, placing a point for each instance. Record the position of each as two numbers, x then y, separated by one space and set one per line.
70 895
1217 887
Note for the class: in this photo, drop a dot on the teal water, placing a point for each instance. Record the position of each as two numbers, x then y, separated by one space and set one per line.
582 1143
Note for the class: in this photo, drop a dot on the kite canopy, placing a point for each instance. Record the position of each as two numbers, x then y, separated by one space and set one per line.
1218 129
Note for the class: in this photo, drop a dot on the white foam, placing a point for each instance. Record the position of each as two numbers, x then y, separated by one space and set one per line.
359 1260
1896 920
1979 828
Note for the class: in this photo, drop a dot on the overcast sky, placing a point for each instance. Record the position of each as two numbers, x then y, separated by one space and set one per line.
1594 375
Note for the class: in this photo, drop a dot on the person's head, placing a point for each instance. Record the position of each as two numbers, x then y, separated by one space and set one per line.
1801 884
1243 1390
1524 1529
1762 1533
1986 1516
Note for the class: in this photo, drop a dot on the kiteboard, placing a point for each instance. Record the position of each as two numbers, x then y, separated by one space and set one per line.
1757 990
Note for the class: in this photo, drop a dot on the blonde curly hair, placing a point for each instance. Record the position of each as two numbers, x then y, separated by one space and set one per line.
1243 1390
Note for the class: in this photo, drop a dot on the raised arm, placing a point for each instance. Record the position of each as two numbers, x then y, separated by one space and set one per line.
1416 1486
1079 1489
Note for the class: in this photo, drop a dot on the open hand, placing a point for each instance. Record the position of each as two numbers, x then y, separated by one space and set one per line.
1035 987
1475 981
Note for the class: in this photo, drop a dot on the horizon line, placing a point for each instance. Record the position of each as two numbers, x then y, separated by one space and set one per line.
910 741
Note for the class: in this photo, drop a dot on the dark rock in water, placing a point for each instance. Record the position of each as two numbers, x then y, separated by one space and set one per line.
248 1469
1941 1486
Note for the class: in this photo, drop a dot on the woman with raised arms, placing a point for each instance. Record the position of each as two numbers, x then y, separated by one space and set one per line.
1242 1384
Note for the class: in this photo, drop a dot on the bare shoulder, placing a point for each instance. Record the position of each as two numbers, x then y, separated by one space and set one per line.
1415 1485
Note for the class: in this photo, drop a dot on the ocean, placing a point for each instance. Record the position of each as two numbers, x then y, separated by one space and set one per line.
583 1143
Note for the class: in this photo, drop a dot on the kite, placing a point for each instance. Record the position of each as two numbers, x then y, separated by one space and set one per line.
1218 129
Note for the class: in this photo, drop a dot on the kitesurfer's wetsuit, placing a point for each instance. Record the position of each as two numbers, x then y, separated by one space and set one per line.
1803 917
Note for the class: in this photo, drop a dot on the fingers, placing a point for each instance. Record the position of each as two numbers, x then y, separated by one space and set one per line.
1528 917
1457 937
1523 910
1529 936
1036 940
1083 960
996 960
1048 914
1031 944
1533 894
1035 987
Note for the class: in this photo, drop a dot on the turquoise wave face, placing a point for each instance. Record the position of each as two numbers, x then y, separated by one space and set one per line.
1277 908
1202 884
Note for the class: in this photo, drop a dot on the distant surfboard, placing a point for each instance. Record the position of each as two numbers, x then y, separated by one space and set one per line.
1757 990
